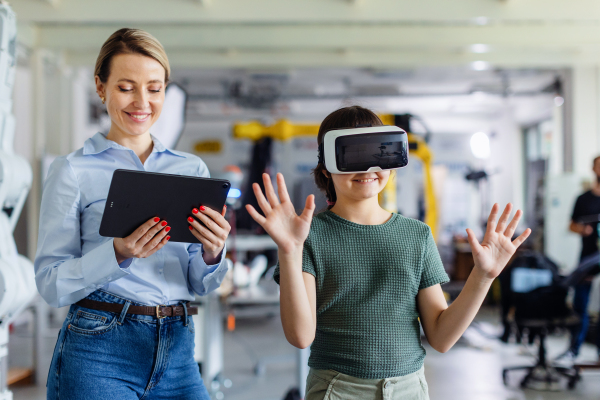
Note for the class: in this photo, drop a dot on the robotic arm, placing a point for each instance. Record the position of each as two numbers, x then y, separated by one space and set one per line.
17 278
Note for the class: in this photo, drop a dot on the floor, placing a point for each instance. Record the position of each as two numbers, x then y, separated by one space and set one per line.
470 370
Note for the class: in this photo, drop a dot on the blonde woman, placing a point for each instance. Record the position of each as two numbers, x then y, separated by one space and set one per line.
128 333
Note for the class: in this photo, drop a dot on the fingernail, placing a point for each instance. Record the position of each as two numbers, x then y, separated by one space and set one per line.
190 219
163 223
168 237
167 229
190 227
156 219
195 211
202 208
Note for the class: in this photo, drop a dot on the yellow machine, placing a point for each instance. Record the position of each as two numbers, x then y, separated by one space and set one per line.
285 130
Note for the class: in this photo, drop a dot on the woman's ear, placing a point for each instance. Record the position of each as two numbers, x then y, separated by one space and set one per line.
99 87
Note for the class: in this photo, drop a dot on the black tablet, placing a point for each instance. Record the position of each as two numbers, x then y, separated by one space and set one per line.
136 196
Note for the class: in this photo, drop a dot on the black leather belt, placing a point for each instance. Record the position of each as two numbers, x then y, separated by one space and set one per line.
157 311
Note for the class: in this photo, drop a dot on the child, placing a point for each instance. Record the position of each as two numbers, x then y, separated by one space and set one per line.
356 281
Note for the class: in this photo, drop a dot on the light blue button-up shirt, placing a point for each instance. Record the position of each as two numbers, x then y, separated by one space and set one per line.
73 260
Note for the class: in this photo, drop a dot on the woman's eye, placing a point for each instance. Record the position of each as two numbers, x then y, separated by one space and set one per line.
124 89
154 90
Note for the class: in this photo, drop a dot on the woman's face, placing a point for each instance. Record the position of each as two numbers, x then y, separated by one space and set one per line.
134 93
358 187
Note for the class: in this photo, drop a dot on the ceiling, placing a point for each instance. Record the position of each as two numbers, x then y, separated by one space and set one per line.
384 34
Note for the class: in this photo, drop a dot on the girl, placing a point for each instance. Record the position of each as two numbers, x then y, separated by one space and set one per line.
356 280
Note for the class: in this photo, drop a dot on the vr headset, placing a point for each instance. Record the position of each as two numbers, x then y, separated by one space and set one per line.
355 150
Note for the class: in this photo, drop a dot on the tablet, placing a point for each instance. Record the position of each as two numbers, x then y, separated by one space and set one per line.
136 196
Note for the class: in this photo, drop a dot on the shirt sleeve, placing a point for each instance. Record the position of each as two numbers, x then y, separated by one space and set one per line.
433 271
308 264
63 274
577 211
203 278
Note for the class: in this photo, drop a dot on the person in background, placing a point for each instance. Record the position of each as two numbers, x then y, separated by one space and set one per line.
587 204
128 334
357 282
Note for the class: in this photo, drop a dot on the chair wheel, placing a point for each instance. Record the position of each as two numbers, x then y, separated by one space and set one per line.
572 383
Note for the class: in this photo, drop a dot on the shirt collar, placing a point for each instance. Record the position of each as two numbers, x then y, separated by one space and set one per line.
99 143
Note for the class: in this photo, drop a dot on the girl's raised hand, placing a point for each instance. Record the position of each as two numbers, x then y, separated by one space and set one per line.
496 249
288 229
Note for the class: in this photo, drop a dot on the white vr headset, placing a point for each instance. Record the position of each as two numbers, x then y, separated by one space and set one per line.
356 150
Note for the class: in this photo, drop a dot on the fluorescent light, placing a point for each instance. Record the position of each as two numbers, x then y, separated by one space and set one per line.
234 193
559 101
481 20
479 48
480 65
480 145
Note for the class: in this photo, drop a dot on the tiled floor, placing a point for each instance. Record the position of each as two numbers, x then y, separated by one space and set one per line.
469 371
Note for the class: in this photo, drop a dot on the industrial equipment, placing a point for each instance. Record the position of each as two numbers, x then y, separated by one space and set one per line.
17 280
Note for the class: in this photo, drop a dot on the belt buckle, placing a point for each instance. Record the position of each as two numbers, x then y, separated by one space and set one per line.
158 311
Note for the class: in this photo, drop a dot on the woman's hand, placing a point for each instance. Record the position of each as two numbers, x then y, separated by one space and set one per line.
143 242
496 249
213 234
286 228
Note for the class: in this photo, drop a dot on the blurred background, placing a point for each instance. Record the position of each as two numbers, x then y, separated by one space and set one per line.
502 100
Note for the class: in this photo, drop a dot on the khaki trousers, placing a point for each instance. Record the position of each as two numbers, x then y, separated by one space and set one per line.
332 385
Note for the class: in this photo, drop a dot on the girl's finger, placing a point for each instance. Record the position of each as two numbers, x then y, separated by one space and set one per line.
504 219
260 198
473 242
510 230
309 208
270 191
255 215
518 241
224 211
282 189
491 222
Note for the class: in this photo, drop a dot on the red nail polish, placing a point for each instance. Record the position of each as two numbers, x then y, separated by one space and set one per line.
167 229
190 219
163 223
156 219
168 237
202 208
190 227
195 211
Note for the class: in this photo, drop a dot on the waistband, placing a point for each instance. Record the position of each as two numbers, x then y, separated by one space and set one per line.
329 374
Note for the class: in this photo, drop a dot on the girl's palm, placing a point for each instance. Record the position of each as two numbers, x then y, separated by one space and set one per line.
286 228
496 249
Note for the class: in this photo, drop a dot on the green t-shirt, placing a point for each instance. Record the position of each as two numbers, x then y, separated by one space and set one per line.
367 280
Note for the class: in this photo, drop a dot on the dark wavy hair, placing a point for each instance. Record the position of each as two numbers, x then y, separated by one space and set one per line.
347 117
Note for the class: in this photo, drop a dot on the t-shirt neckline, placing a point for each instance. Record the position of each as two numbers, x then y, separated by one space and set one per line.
342 220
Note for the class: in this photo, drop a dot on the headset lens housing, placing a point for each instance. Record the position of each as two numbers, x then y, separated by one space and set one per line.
358 153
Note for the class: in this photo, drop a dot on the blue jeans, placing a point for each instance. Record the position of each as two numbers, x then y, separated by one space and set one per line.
103 355
580 305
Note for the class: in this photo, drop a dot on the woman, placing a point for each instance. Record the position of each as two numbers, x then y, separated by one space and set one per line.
128 333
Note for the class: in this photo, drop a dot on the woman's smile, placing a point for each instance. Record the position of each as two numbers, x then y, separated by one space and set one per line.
138 116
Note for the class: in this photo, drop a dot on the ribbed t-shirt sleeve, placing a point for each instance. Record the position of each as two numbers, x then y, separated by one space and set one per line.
308 264
433 270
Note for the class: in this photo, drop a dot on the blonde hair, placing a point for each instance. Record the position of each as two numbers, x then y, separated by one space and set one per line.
130 41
